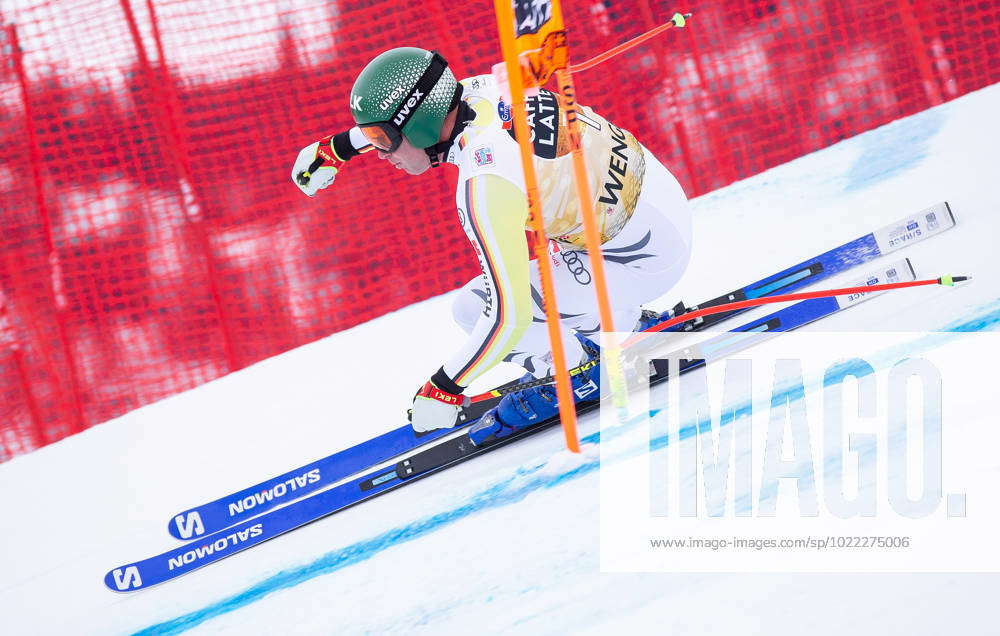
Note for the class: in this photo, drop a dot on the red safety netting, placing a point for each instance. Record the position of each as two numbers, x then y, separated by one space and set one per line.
152 240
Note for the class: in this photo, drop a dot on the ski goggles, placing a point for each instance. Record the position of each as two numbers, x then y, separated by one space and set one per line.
387 136
382 135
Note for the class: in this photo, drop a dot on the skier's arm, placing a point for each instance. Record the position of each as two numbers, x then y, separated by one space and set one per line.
494 218
318 163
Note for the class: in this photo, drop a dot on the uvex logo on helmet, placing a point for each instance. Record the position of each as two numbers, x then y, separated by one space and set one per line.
393 96
410 104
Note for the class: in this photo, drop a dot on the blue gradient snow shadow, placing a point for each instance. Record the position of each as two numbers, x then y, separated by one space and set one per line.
507 491
893 149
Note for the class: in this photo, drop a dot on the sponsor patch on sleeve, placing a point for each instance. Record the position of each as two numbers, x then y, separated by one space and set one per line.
505 116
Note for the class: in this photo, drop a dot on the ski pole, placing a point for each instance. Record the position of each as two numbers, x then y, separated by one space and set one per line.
679 20
947 280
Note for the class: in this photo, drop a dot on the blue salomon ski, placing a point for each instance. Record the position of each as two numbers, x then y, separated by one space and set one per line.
211 548
250 502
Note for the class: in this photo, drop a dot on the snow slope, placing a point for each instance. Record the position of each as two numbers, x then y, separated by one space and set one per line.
507 542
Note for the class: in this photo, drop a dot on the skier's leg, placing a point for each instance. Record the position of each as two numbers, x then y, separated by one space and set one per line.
533 352
647 258
642 263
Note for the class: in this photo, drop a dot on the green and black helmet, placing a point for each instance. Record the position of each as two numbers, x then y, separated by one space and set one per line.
404 92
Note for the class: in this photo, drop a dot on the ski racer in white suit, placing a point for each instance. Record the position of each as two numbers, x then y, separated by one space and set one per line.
409 107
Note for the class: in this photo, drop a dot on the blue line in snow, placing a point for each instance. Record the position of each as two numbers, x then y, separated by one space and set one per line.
497 495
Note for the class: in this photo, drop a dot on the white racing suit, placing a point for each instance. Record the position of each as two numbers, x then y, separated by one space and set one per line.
642 212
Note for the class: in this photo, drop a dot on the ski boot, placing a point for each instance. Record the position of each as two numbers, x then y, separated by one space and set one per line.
649 318
533 405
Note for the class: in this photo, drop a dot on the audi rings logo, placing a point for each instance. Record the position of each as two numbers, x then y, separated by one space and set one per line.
576 267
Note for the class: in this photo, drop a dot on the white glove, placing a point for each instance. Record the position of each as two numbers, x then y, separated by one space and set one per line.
312 181
434 408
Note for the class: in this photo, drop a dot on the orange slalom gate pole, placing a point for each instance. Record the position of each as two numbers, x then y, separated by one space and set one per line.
564 394
592 234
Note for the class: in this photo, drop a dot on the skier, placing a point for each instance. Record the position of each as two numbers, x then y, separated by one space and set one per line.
409 107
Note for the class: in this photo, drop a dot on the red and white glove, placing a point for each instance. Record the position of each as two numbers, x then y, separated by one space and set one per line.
435 408
316 166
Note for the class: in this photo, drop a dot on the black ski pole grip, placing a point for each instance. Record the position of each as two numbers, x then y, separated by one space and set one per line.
304 176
